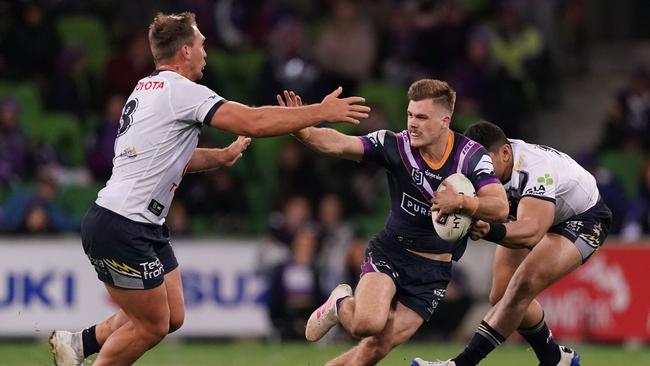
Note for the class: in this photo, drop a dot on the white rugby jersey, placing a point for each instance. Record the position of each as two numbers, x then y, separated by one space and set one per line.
158 132
543 172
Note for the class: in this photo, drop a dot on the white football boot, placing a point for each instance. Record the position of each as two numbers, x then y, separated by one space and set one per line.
568 357
66 348
326 316
420 362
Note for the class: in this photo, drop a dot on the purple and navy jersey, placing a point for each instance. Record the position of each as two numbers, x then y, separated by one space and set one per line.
412 181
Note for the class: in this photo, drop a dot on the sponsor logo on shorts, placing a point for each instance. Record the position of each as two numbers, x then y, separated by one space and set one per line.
122 268
152 269
439 295
593 238
415 207
574 225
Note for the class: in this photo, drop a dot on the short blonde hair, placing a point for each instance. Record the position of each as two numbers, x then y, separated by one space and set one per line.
168 32
441 93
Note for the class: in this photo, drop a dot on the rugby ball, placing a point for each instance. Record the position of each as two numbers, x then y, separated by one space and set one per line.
454 226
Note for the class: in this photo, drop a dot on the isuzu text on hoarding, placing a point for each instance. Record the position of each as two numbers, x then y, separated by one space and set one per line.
47 285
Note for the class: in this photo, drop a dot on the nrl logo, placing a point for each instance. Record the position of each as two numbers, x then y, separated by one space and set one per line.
417 175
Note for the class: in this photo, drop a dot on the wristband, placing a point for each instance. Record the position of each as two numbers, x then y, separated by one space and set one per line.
497 233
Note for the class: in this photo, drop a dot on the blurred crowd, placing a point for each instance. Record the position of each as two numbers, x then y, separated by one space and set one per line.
67 67
621 161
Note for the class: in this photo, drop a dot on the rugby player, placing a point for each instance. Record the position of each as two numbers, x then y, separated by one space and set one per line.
561 222
123 233
407 266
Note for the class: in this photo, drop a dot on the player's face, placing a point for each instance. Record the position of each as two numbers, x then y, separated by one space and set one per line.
502 161
197 55
427 123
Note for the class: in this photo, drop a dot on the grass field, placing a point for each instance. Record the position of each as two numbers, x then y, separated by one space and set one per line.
238 354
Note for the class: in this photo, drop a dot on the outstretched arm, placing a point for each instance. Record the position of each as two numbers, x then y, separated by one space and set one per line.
206 159
324 140
534 218
273 121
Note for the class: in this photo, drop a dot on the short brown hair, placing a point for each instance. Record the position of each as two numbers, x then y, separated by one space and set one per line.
441 93
168 32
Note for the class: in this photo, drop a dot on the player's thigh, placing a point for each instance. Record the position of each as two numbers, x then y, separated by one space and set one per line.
175 299
373 297
550 260
146 309
506 261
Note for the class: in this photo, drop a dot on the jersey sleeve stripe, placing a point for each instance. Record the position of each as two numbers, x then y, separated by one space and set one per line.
212 111
366 144
484 182
544 198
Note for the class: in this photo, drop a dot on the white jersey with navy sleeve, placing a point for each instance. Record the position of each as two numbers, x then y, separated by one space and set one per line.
158 132
545 173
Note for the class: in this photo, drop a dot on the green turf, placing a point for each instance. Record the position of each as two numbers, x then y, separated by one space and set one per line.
227 354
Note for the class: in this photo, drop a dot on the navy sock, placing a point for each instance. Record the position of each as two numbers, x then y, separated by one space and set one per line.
541 339
89 340
483 342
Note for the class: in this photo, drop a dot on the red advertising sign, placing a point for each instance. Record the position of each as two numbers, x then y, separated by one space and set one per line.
607 299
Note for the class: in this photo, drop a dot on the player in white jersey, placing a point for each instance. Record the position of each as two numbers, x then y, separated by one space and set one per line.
123 233
559 222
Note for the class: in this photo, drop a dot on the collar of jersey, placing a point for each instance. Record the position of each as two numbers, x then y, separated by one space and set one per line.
437 165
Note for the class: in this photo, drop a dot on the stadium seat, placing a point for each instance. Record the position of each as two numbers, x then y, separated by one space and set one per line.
62 131
391 98
76 199
31 103
88 34
625 167
462 120
238 71
259 188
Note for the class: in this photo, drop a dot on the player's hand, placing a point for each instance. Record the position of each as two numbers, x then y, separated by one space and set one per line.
335 109
446 201
478 229
234 151
292 99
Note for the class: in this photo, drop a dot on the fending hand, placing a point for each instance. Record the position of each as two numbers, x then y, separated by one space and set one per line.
236 149
292 99
350 109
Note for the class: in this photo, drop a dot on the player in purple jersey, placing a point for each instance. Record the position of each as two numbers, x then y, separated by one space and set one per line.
123 233
407 265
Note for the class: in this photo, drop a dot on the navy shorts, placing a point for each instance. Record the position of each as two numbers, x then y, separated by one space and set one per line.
125 253
421 282
588 230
